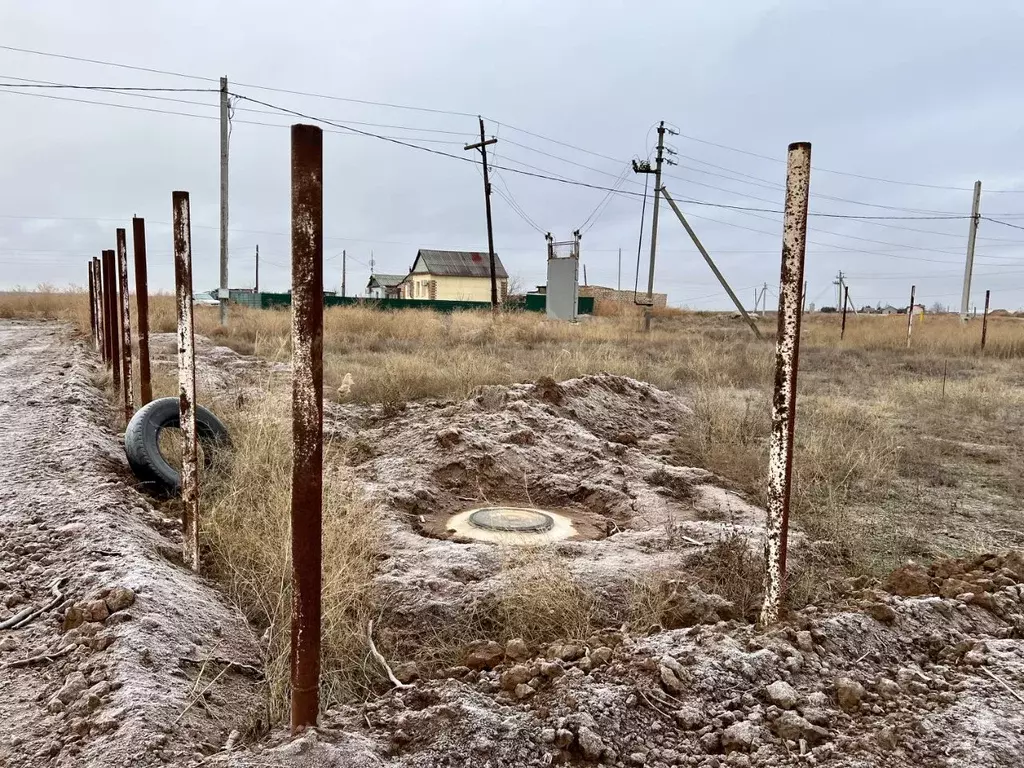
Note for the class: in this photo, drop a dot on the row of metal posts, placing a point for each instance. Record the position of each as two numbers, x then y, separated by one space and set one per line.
110 315
307 387
111 330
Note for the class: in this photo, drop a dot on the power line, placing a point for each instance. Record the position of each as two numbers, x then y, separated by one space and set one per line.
1004 223
246 85
134 91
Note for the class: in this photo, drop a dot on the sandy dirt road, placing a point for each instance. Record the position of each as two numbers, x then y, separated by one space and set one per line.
77 539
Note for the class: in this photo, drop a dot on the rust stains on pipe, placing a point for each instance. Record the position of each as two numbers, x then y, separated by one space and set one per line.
984 319
142 305
787 352
97 278
307 421
182 233
92 302
910 315
126 325
113 326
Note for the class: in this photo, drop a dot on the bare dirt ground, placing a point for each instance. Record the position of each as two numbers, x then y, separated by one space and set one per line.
924 669
102 676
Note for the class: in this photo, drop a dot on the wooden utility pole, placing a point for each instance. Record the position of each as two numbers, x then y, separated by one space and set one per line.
257 289
222 294
971 237
482 146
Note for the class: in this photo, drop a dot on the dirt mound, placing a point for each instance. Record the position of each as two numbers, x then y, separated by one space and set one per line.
594 449
109 670
932 686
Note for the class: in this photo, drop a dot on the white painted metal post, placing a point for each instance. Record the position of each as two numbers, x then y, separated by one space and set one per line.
787 351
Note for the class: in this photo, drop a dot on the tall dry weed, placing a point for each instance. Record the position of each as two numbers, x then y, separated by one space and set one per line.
246 527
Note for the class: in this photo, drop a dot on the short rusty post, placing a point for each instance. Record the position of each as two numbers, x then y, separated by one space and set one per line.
92 303
113 340
182 226
787 351
307 420
910 315
126 325
97 279
984 320
846 302
142 307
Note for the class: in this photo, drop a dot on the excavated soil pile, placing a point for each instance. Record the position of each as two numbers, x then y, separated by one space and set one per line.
594 449
887 681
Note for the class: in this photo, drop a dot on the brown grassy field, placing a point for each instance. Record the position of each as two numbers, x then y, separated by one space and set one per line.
901 453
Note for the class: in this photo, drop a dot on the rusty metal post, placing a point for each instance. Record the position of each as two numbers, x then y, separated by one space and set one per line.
307 420
126 325
92 303
910 315
787 353
113 335
142 307
182 227
97 279
984 320
846 302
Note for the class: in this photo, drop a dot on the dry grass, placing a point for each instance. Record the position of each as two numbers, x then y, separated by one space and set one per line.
247 529
899 452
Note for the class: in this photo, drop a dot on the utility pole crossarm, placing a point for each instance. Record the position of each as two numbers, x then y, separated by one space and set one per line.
711 263
481 144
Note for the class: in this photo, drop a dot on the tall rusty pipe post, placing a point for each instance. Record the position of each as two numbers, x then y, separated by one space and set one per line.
182 233
910 315
97 272
105 306
113 328
787 354
92 303
142 306
126 326
846 302
307 420
984 320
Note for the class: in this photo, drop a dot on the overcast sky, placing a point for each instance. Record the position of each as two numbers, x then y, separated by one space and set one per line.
925 92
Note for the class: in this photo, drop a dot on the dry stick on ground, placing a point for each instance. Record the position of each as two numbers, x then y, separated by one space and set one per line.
651 705
1002 682
381 660
26 615
40 658
249 669
200 695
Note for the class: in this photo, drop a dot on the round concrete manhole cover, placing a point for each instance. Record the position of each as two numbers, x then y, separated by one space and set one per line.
511 520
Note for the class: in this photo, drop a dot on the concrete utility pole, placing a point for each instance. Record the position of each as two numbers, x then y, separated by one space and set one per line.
344 257
645 167
971 237
839 283
618 281
222 294
482 146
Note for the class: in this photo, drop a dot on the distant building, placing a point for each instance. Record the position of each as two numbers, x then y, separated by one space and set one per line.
384 286
889 309
600 293
453 276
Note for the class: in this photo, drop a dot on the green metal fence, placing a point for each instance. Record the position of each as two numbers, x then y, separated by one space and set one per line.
534 303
